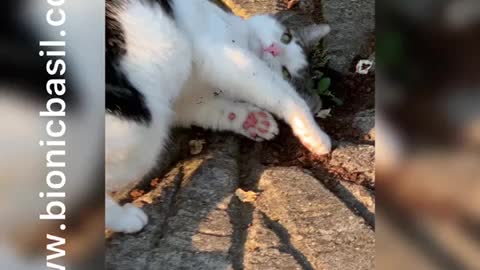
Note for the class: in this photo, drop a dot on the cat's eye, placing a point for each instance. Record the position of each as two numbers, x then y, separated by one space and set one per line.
286 74
287 37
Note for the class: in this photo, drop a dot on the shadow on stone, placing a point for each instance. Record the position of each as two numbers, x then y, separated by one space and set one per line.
287 245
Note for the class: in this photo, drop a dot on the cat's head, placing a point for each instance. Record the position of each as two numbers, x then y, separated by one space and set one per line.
285 41
284 46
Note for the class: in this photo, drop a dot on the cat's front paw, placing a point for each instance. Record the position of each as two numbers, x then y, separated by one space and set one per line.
130 220
312 137
259 125
321 146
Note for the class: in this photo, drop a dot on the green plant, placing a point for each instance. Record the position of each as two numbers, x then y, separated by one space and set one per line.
323 84
320 83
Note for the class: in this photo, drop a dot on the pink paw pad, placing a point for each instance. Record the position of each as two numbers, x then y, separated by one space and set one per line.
259 125
250 122
232 116
263 114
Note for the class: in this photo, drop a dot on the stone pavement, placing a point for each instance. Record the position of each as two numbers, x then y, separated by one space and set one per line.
196 221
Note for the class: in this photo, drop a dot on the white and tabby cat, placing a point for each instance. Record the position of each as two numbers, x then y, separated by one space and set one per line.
176 62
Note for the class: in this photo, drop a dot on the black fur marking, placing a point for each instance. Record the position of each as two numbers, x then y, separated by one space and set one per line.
121 97
127 103
166 6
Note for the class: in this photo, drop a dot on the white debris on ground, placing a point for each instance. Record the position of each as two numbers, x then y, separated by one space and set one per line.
363 66
196 146
246 196
323 114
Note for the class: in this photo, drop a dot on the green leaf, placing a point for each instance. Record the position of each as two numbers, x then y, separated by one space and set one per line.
324 84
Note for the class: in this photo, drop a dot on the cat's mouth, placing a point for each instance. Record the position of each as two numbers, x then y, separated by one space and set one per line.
266 57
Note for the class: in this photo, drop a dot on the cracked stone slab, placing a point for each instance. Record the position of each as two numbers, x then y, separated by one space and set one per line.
355 159
358 198
352 22
132 251
189 226
265 250
305 226
198 232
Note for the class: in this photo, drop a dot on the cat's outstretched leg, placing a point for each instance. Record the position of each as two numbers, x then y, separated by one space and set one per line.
222 114
127 218
242 75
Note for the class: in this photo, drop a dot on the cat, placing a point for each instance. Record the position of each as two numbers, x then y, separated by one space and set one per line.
175 62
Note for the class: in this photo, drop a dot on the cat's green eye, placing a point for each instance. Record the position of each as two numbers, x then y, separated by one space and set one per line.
286 37
286 73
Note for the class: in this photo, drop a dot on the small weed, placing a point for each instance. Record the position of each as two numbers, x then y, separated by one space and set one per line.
320 83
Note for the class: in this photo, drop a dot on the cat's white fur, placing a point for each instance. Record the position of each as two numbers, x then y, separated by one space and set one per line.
158 62
179 66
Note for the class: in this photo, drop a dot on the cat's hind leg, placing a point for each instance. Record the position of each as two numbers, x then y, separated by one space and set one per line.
131 149
226 115
126 218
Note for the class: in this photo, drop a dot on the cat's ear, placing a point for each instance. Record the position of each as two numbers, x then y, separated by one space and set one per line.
312 34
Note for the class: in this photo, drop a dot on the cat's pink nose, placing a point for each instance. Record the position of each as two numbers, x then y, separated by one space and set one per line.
273 49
